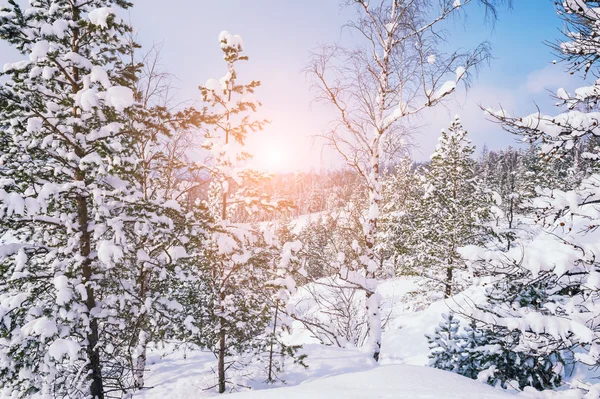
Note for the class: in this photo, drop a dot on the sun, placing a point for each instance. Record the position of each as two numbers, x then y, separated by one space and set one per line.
273 158
270 155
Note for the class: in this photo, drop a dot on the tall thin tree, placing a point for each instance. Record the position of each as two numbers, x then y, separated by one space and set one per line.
66 166
376 89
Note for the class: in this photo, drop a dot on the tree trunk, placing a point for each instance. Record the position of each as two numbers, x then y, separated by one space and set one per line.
140 361
372 298
374 318
270 378
92 350
222 335
222 346
221 360
141 343
448 290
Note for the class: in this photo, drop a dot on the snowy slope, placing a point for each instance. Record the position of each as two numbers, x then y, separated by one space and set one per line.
336 372
192 376
393 381
404 341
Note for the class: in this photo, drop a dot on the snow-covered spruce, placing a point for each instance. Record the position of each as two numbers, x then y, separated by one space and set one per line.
245 303
90 242
162 286
401 191
450 214
65 192
548 298
489 355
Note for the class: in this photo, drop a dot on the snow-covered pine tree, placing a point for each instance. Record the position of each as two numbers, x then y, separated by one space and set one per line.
504 177
472 358
561 262
503 354
400 189
544 171
68 198
450 214
236 253
444 344
590 145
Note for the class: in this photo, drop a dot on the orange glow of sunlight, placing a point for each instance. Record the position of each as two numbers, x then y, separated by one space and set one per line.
273 158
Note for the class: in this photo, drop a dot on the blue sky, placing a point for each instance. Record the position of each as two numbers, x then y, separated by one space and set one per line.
278 36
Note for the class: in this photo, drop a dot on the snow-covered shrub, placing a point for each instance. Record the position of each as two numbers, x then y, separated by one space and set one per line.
492 355
333 312
444 344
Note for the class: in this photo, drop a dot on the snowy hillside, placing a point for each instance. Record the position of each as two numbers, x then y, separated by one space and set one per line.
335 372
386 382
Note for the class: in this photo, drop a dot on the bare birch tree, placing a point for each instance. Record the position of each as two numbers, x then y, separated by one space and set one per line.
378 89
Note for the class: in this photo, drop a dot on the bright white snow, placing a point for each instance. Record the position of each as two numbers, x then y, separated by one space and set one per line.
119 97
99 16
393 381
335 372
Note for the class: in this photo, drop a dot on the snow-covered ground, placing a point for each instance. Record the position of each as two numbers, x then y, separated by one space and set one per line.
193 377
392 381
335 372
